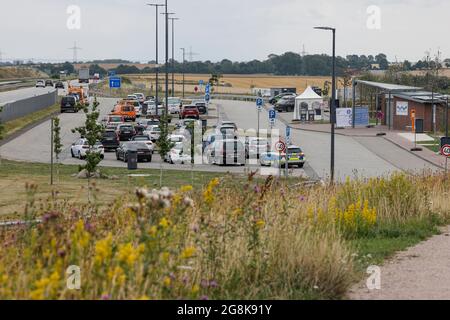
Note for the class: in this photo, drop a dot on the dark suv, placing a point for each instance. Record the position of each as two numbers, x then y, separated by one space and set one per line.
69 103
110 141
48 83
125 132
202 108
286 104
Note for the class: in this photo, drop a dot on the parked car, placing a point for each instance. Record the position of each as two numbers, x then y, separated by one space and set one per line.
177 155
148 122
174 105
59 85
201 106
110 140
80 149
154 132
270 159
286 104
143 152
48 83
255 146
228 123
125 132
175 138
140 97
226 152
190 112
226 129
295 157
69 103
277 98
145 139
113 120
40 84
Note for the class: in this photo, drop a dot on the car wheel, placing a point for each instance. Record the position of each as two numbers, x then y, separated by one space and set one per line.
72 154
125 157
79 155
117 156
301 165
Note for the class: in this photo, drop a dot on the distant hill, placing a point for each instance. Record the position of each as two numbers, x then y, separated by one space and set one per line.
14 72
111 66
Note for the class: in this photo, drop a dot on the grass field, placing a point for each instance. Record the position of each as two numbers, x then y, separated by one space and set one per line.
19 73
221 238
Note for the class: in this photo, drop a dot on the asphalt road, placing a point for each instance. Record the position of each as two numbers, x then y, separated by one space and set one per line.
34 146
20 94
362 157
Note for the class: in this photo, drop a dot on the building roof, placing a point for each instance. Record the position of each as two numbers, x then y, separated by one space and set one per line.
422 96
387 86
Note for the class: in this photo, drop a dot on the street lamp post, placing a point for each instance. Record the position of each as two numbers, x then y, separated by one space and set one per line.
184 71
157 57
173 54
333 101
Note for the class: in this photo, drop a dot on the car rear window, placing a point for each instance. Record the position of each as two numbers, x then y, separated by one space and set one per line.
190 107
294 150
109 134
128 109
141 138
126 128
68 100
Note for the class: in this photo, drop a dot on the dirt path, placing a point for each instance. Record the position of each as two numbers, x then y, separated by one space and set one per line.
420 273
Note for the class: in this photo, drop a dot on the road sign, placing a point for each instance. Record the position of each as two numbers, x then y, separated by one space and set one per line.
445 151
280 146
413 119
272 116
115 82
111 73
208 88
288 135
201 82
259 103
207 97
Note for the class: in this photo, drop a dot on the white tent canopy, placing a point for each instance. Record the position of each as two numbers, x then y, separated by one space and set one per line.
308 102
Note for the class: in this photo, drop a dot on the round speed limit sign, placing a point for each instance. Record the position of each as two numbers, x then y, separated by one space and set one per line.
445 151
280 146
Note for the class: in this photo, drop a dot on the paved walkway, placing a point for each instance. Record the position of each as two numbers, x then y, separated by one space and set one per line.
392 136
419 273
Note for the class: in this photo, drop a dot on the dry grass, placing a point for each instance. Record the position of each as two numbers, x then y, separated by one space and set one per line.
237 84
19 73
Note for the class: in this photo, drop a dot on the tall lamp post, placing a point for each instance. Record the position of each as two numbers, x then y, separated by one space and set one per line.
173 54
166 106
333 101
184 70
157 56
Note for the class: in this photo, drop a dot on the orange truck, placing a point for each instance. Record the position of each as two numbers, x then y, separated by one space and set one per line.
81 93
126 110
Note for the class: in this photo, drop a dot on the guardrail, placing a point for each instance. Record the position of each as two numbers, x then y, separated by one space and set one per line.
20 108
234 97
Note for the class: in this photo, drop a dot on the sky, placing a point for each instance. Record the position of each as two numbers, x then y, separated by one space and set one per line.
239 30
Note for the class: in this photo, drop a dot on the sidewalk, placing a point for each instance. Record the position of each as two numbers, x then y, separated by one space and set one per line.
391 136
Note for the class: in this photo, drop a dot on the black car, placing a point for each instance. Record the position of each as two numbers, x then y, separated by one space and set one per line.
143 152
125 132
49 83
110 141
286 104
139 129
202 108
69 103
277 98
59 85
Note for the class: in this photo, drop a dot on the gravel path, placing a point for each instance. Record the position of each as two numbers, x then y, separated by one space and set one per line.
420 273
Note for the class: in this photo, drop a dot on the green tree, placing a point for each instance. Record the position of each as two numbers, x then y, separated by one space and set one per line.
164 143
57 145
92 131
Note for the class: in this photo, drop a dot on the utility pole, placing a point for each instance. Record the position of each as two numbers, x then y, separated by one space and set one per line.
157 56
166 106
173 54
184 65
191 54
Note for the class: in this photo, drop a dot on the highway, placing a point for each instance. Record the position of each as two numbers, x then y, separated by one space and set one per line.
20 94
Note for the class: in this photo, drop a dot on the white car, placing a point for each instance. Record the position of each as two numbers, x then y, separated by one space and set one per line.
40 84
132 97
154 132
80 148
226 152
176 138
177 155
145 139
148 122
140 96
174 105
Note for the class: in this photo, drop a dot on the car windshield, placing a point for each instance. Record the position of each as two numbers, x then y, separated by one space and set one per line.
156 129
141 138
294 150
128 109
109 134
115 119
174 101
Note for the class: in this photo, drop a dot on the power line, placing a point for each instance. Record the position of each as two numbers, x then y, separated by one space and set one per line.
75 52
191 54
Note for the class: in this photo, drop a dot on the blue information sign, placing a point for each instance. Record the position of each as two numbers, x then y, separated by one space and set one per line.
259 103
115 82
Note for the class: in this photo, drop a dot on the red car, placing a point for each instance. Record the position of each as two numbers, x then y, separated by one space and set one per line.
190 112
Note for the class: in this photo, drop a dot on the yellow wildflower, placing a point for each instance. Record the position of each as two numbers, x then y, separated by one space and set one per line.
188 253
185 189
260 224
167 281
164 223
103 249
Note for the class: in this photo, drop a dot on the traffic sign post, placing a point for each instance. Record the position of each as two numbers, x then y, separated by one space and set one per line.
115 83
207 98
272 117
280 146
445 151
259 105
288 142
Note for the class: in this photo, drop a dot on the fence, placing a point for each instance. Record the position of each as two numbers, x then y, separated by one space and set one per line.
21 108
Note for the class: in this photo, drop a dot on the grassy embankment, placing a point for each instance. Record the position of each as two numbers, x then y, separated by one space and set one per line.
230 238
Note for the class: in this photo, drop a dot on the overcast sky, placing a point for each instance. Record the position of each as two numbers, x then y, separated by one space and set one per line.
239 30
